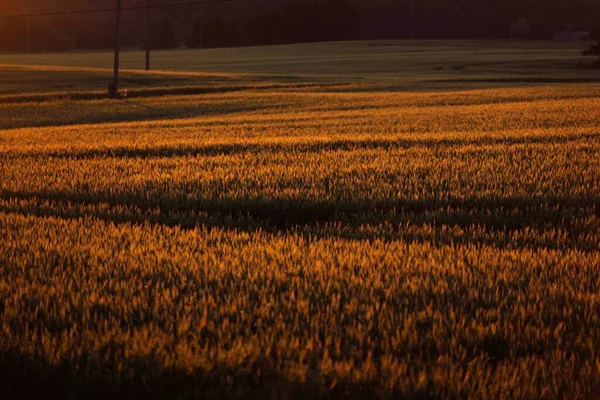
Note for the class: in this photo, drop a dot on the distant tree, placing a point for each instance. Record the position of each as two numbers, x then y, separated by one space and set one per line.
520 29
594 49
194 37
337 20
164 35
595 32
261 29
214 30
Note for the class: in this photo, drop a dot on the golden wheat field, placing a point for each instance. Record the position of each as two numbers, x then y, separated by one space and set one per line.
302 241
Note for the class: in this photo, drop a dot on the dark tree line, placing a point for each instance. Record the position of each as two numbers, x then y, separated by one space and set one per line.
257 22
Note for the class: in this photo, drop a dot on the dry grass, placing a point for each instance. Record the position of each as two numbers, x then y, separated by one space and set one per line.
303 244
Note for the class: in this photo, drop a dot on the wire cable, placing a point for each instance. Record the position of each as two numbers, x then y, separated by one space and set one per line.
128 8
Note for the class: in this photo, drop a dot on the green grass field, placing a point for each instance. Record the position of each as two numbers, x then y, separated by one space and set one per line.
375 59
387 220
403 65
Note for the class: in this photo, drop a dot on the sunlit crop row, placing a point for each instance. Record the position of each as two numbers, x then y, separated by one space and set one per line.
427 245
349 175
482 110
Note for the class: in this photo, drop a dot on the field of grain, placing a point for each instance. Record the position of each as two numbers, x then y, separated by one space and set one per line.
244 236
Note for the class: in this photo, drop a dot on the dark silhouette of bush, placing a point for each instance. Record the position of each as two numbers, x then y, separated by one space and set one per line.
594 49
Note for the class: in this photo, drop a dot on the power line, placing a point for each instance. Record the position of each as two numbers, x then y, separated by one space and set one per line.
113 88
147 32
144 7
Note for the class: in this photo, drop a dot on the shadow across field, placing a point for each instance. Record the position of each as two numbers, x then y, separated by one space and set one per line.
520 80
488 221
22 377
130 113
158 91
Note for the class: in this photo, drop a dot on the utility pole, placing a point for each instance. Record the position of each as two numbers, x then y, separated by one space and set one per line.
411 23
147 35
27 36
113 91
